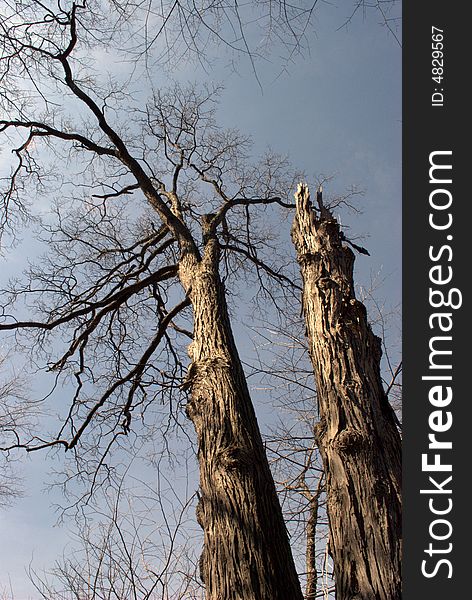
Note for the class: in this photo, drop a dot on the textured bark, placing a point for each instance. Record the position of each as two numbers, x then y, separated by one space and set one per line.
246 551
357 436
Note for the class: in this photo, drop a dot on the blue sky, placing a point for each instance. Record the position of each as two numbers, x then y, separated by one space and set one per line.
337 112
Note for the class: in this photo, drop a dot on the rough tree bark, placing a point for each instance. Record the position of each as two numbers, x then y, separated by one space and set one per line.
246 550
356 434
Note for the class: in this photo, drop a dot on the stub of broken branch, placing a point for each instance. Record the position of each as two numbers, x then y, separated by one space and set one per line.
304 222
317 223
310 231
302 198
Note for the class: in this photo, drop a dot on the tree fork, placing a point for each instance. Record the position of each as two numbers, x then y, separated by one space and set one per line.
357 436
246 554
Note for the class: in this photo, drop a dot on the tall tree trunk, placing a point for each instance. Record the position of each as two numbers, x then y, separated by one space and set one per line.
356 434
246 553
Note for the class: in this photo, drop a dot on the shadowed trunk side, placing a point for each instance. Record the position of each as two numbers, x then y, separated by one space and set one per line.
246 551
357 436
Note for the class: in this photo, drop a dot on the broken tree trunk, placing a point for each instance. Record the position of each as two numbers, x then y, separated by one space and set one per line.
356 434
246 554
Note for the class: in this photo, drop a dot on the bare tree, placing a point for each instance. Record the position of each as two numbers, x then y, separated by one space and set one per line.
113 295
136 545
284 373
357 433
117 292
389 13
18 416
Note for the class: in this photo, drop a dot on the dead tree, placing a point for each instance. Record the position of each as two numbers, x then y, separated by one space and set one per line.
179 164
357 433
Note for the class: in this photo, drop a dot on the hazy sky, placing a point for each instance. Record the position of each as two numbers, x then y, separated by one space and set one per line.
337 112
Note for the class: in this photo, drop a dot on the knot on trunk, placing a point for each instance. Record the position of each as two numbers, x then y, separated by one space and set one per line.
349 441
200 370
200 513
308 258
357 311
191 409
235 458
319 432
191 350
376 347
325 282
202 566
